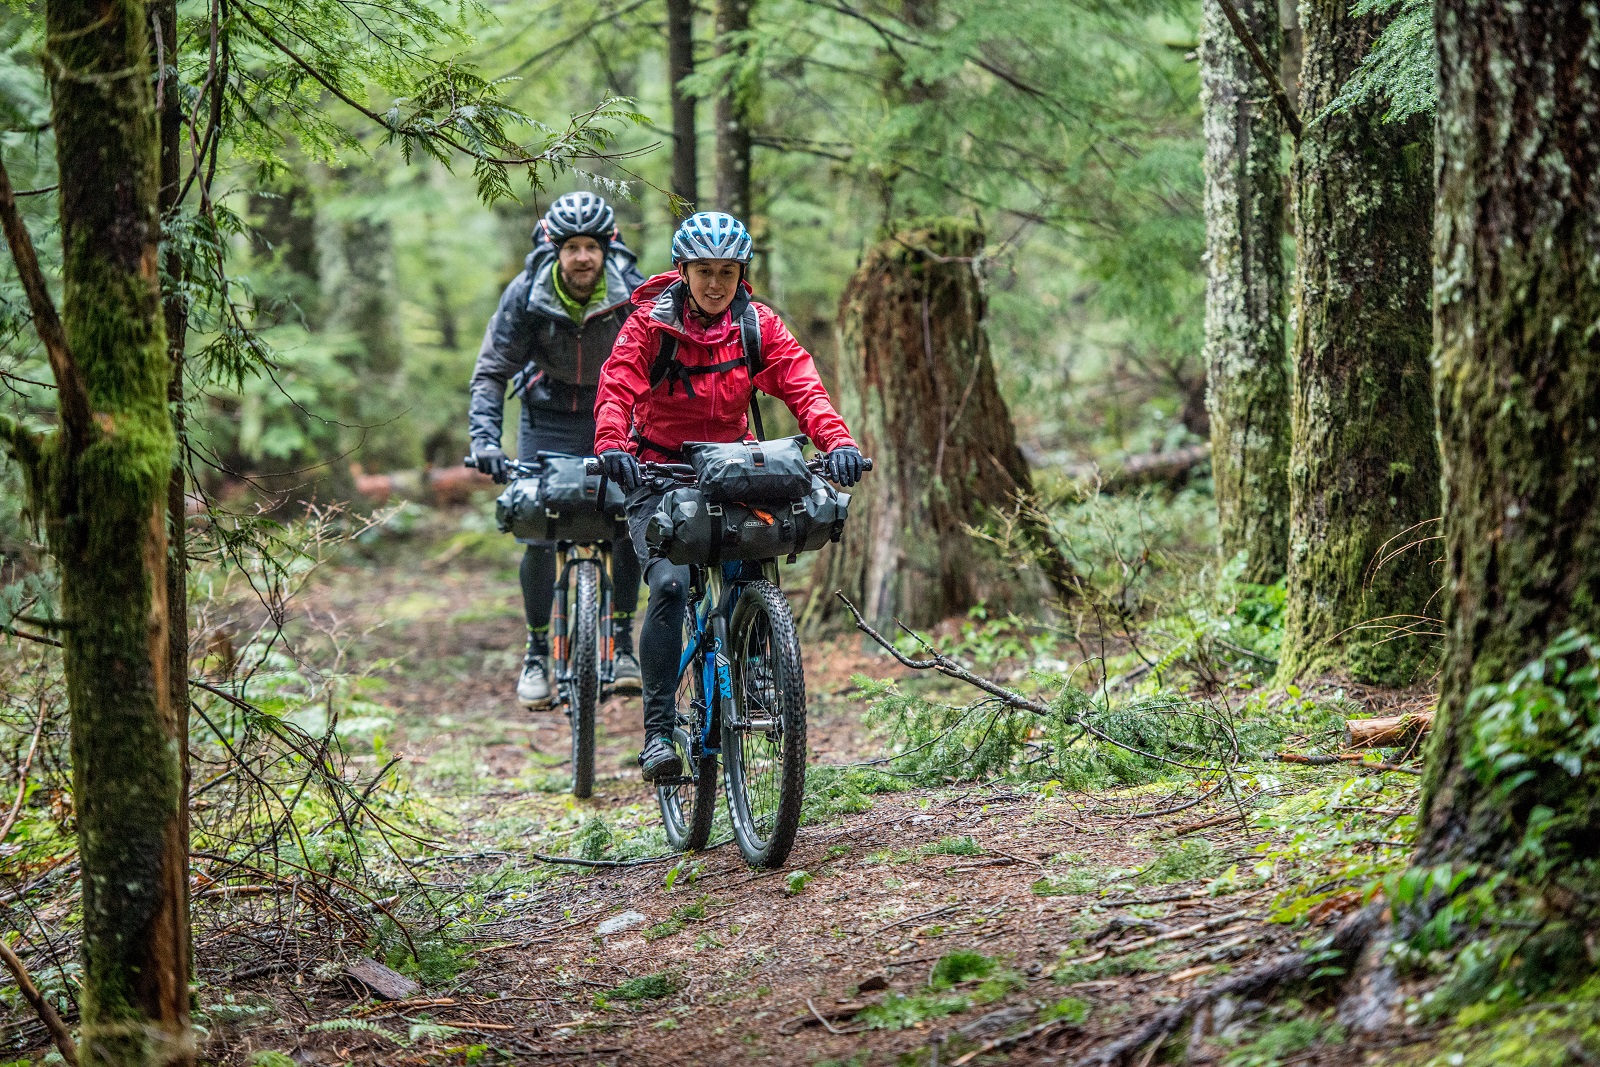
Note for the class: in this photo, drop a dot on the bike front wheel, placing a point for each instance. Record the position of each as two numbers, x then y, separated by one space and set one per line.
583 668
764 732
687 806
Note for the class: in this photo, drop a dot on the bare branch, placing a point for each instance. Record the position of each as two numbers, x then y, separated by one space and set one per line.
74 395
58 1029
1280 96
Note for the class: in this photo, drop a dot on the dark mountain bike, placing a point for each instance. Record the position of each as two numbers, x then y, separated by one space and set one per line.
741 698
582 646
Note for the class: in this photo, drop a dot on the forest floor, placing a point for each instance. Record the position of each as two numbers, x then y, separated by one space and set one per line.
972 923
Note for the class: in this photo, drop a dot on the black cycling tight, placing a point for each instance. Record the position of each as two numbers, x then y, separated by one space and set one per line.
661 644
539 581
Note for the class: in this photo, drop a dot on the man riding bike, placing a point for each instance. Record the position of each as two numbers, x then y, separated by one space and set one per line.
697 387
549 338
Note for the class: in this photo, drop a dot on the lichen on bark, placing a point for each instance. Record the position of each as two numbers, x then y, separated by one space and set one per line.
1364 469
1517 382
1247 368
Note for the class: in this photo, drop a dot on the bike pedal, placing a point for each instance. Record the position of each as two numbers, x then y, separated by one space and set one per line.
672 779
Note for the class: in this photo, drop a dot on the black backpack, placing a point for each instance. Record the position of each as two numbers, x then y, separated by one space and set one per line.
667 368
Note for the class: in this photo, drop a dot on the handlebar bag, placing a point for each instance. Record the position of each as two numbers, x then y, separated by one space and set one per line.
751 471
689 528
560 504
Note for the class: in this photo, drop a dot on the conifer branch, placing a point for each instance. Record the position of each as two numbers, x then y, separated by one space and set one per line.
74 396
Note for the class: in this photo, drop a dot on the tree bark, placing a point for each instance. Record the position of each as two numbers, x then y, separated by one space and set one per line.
733 115
1518 390
175 314
680 65
918 392
1364 467
1247 365
105 509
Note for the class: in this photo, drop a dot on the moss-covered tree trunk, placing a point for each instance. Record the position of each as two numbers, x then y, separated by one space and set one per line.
1247 366
104 488
680 65
918 391
1364 468
1518 390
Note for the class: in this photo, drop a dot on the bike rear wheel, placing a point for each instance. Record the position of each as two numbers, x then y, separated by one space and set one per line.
764 732
687 807
583 669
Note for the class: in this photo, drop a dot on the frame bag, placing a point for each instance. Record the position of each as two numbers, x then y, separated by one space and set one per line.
561 503
690 528
751 471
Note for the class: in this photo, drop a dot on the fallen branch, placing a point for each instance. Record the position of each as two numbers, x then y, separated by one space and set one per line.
1348 939
22 776
47 1015
1142 469
1396 731
608 863
1009 697
1353 758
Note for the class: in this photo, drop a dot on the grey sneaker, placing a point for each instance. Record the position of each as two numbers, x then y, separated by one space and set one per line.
625 674
660 760
533 685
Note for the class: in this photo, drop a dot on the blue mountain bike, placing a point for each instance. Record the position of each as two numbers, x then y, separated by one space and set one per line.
741 698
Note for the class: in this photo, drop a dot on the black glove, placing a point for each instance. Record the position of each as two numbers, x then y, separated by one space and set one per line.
490 461
621 468
844 465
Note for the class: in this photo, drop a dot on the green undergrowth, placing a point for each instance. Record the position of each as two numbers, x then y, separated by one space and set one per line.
958 981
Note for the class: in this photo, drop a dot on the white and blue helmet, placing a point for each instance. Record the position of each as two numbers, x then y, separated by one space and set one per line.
711 235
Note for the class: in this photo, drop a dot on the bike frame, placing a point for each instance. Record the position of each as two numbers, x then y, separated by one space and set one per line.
711 597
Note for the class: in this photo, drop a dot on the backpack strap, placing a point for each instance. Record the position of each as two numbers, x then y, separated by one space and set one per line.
750 341
667 368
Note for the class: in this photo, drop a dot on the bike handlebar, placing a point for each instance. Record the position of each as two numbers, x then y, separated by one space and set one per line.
683 472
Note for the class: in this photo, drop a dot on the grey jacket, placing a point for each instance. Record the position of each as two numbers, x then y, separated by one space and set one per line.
532 343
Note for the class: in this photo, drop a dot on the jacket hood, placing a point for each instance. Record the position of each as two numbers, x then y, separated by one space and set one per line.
542 293
665 295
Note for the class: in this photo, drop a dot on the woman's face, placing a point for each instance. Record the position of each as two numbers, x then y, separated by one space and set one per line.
712 283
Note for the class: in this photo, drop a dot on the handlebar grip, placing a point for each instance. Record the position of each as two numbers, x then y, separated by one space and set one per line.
470 461
592 466
866 464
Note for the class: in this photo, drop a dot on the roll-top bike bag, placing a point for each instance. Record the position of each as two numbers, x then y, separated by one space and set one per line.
751 471
687 527
559 504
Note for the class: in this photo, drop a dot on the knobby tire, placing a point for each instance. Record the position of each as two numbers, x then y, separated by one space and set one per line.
765 771
687 810
583 667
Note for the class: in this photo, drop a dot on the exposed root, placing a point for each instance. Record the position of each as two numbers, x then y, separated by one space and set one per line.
1349 938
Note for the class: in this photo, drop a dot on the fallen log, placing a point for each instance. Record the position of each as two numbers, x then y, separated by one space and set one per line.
1397 731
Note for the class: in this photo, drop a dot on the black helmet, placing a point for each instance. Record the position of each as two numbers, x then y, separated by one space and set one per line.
580 214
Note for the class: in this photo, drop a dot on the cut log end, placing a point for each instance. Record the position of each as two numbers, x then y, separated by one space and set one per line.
1394 731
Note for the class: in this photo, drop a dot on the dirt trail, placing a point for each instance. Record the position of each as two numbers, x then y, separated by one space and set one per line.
729 966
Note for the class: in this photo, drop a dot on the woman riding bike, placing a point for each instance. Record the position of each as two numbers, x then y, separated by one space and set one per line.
554 327
685 368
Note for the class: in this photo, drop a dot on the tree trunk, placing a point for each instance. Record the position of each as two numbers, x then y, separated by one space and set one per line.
733 115
1518 388
1364 466
918 392
1248 372
105 506
680 65
175 312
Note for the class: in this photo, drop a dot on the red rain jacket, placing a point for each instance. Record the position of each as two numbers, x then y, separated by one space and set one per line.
668 415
